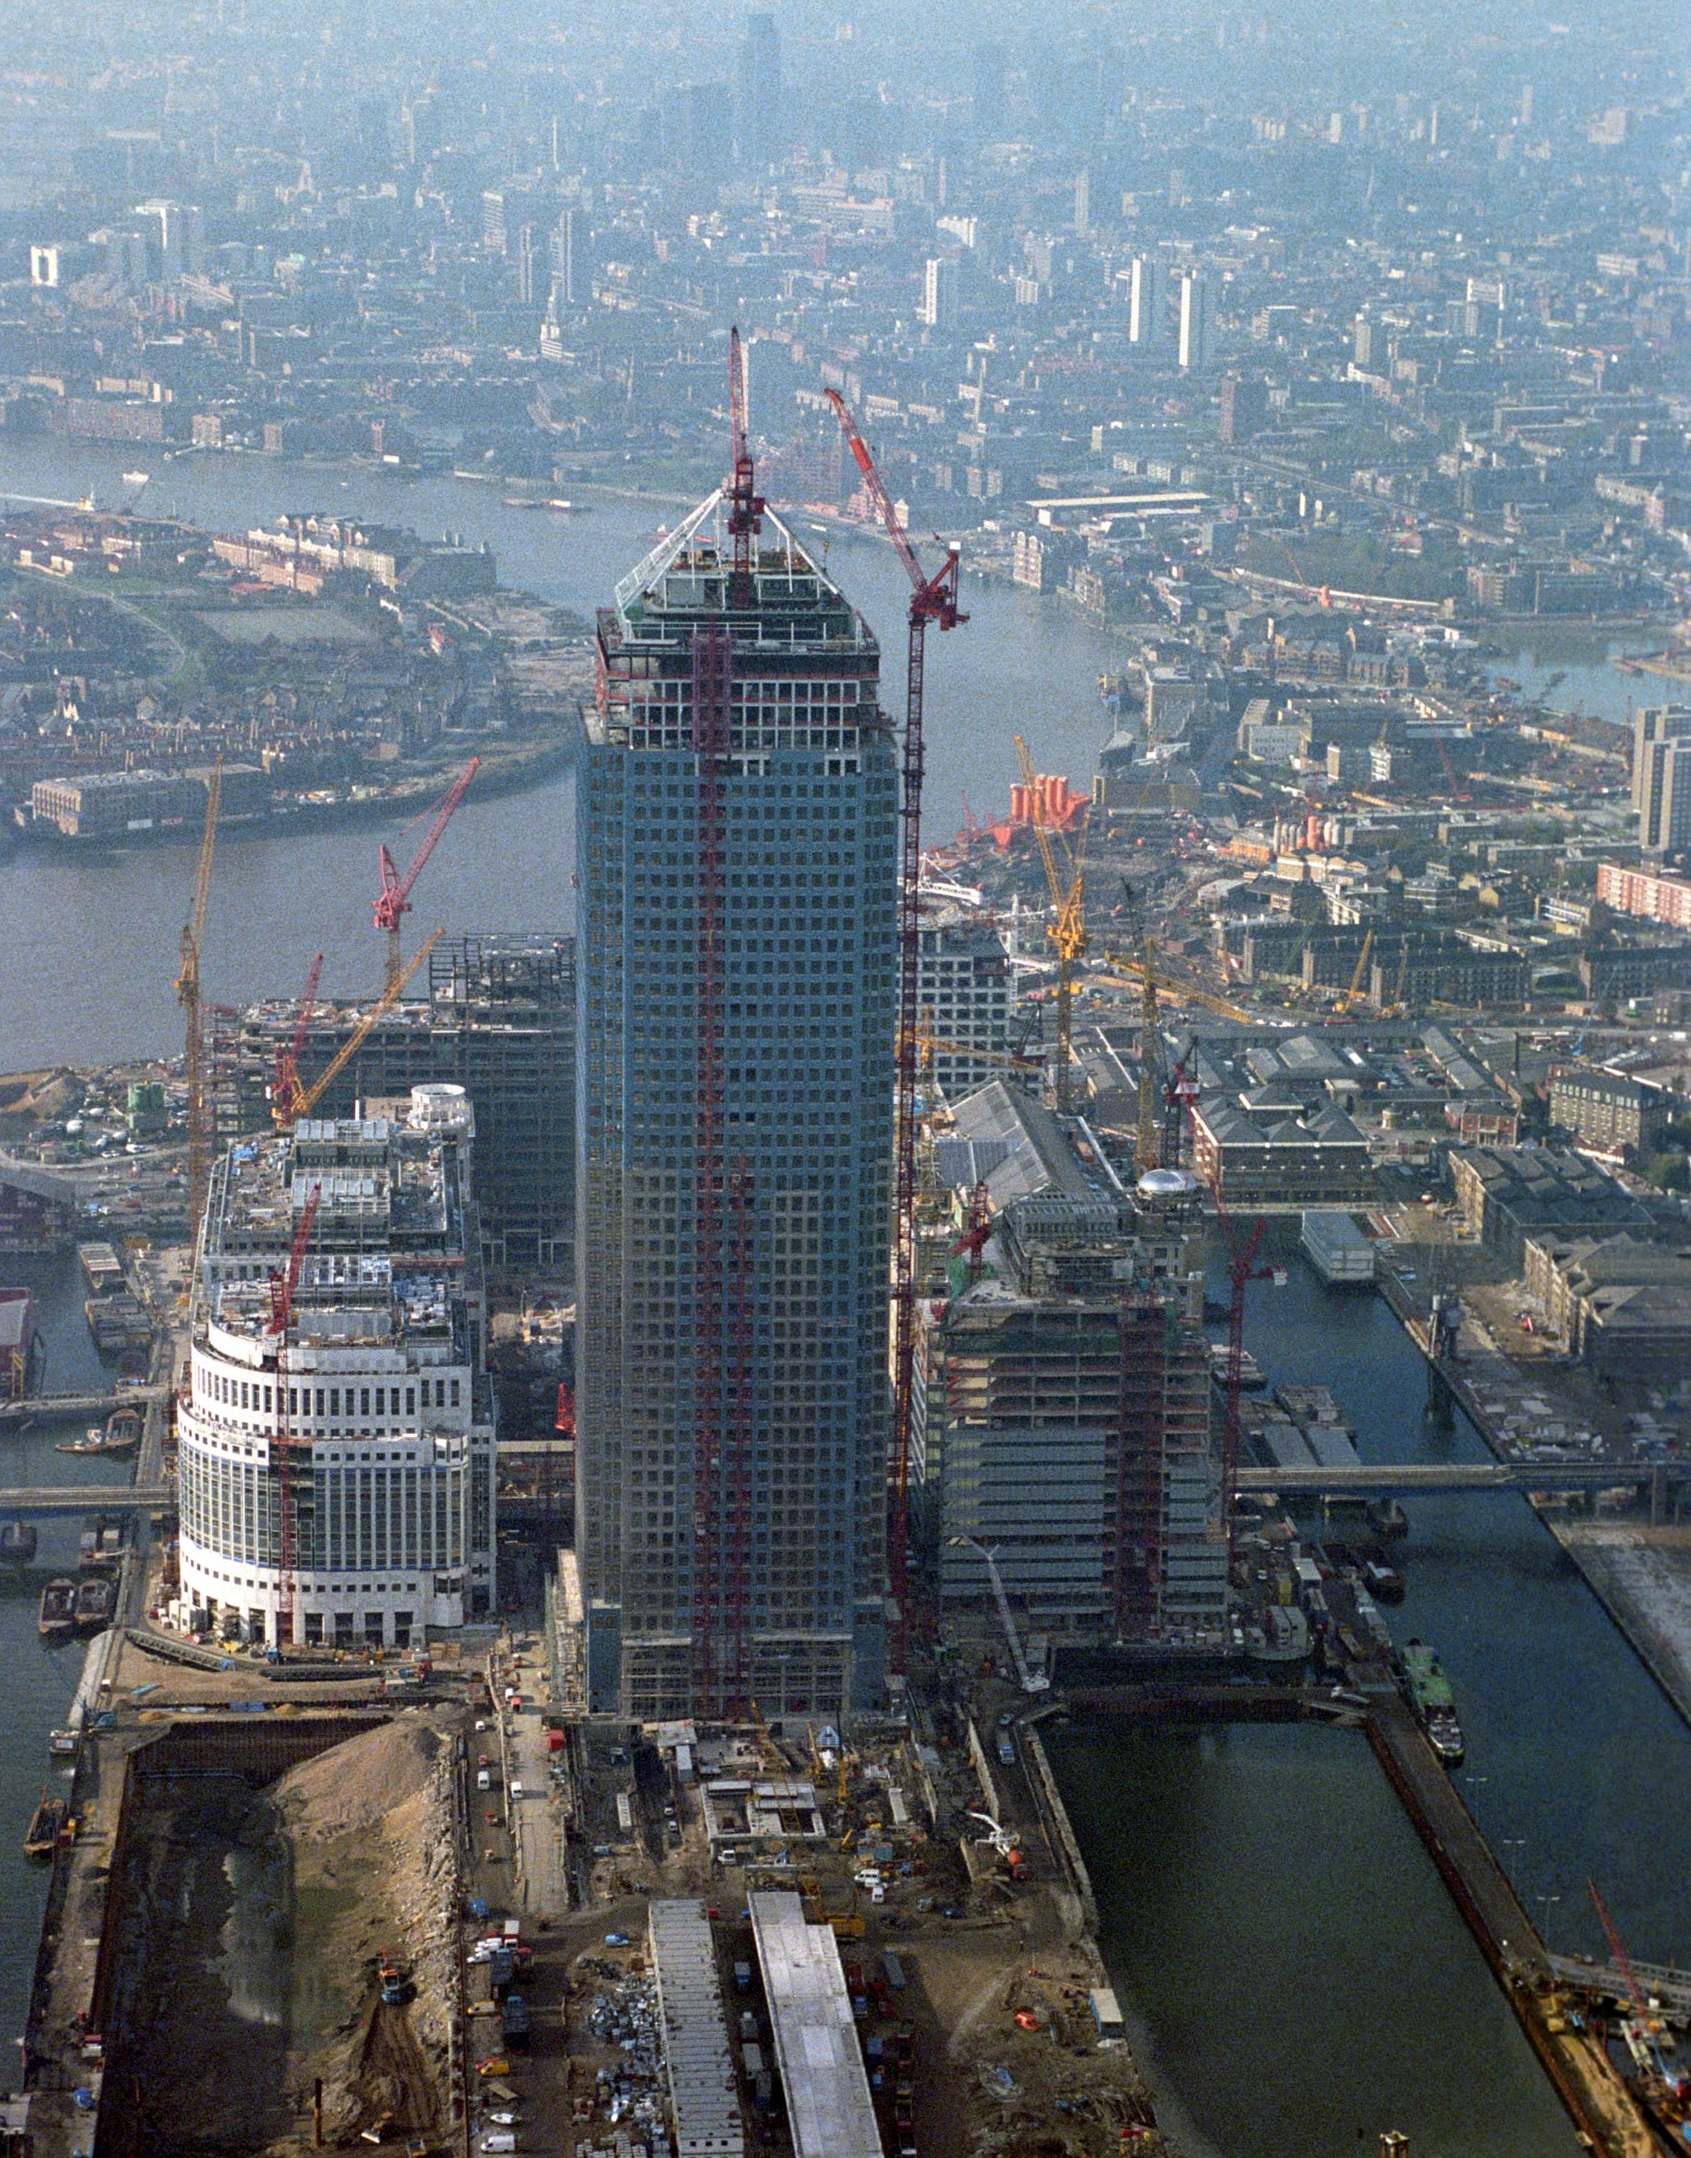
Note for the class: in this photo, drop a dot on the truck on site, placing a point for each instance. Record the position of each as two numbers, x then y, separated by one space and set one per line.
515 2017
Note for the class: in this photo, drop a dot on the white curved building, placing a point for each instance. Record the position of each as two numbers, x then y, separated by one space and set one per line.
378 1383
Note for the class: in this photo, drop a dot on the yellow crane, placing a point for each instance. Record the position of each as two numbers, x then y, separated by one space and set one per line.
1128 971
1066 932
1351 994
188 996
297 1100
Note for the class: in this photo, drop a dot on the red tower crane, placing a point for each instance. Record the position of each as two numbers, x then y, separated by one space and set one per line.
393 902
745 504
932 599
286 1084
1243 1247
283 1287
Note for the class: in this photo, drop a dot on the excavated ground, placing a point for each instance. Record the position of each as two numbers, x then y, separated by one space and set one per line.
257 1921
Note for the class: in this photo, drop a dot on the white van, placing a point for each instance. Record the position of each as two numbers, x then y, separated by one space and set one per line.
500 2140
516 1787
484 1779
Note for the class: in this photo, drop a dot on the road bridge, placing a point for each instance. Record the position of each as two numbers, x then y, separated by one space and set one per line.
1656 1981
1372 1478
48 1408
88 1499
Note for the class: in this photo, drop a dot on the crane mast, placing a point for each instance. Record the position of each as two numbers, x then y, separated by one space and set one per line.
932 599
284 1286
297 1100
745 504
393 902
188 996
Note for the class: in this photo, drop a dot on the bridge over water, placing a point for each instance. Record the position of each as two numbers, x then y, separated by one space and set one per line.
1380 1479
47 1408
88 1499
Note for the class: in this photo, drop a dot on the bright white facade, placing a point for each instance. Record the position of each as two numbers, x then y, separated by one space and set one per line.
388 1408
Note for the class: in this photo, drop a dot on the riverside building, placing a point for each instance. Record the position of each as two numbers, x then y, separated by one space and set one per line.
736 876
367 1424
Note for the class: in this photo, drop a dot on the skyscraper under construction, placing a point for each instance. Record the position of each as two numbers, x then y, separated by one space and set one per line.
736 872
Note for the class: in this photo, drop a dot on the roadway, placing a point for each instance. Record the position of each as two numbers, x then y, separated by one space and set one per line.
1382 1478
73 1407
87 1499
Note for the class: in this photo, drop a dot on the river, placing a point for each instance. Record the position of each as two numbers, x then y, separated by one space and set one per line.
91 944
1296 1967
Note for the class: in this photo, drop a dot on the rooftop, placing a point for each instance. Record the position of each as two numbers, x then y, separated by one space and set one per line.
829 2110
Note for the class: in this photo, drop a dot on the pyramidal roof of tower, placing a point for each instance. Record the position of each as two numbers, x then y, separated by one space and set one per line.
687 573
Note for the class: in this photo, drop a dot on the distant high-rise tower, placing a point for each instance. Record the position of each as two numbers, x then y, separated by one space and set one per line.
1194 323
1083 203
938 307
1661 778
1142 296
562 246
736 861
760 121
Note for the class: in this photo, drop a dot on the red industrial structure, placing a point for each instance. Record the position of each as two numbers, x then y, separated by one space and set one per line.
393 902
283 1288
286 1082
932 599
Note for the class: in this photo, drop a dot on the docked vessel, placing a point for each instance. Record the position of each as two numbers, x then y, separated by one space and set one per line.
18 1540
46 1824
1387 1519
1251 1378
96 1603
120 1435
101 1544
1429 1695
1336 1248
57 1618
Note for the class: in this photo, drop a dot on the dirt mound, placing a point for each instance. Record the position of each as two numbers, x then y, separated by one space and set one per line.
357 1784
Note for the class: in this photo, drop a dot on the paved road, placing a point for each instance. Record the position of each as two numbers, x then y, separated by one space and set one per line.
536 1827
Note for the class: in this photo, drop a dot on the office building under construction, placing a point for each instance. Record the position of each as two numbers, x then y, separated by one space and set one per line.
1063 1419
499 1021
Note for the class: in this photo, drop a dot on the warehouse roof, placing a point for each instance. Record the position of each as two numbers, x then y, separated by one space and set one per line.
829 2110
695 2034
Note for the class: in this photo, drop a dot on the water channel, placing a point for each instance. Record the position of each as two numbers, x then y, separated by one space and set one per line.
1296 1966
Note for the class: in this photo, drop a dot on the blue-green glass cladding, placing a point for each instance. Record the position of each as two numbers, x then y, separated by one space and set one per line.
805 1010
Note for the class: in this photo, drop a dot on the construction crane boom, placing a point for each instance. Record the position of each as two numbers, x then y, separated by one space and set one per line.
188 996
1355 987
393 902
302 1100
287 1059
932 599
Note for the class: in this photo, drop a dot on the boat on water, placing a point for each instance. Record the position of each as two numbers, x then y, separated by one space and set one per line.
136 479
63 1742
96 1603
1252 1378
1388 1520
46 1824
120 1435
101 1544
18 1540
1428 1693
1381 1578
57 1618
